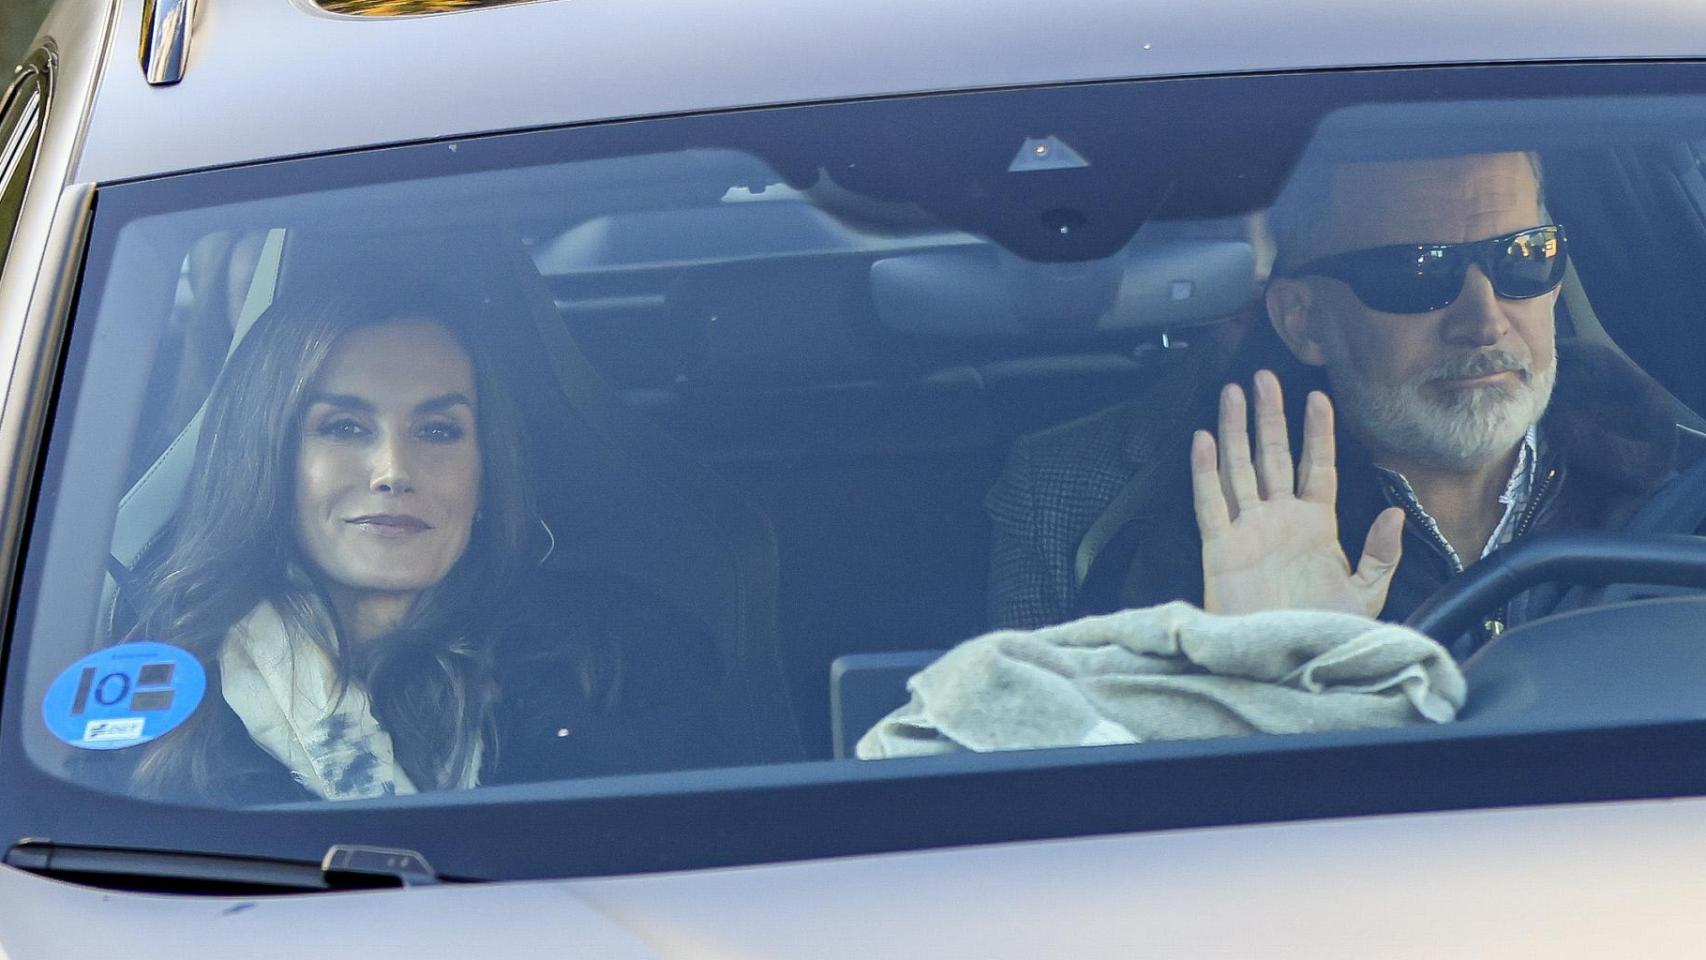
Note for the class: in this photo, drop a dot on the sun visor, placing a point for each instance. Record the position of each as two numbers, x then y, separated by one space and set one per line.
988 293
1403 131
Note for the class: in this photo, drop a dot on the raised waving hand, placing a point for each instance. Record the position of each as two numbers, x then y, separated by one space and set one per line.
1271 535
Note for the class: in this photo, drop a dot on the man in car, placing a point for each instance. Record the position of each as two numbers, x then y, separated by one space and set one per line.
1414 302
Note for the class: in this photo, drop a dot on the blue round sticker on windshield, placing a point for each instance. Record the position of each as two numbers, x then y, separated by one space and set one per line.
124 695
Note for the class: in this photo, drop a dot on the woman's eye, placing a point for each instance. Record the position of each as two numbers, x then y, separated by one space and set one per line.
341 428
443 431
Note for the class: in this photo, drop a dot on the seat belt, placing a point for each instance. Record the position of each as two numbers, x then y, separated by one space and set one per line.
1183 380
1120 512
149 504
1680 505
1677 507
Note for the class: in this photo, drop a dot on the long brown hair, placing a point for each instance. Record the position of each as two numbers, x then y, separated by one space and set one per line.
232 545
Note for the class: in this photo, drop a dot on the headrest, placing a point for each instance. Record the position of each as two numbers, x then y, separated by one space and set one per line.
792 319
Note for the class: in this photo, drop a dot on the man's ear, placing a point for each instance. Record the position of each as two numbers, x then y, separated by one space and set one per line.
1291 309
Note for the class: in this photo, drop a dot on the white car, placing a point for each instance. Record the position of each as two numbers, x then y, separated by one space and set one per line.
724 318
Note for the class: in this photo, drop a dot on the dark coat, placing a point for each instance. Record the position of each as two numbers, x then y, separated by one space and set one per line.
593 677
1096 515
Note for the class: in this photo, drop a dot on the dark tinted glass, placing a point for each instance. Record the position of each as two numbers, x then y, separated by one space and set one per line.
685 441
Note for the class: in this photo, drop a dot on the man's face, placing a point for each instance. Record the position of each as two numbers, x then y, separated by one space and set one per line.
1454 388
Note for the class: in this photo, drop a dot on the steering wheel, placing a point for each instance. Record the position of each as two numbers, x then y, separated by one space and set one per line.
1591 559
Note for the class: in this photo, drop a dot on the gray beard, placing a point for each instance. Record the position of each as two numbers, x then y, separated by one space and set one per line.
1471 429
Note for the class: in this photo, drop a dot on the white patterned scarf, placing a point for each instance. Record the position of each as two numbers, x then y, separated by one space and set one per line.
286 690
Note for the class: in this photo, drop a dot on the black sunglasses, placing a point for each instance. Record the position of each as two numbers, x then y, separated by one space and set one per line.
1418 277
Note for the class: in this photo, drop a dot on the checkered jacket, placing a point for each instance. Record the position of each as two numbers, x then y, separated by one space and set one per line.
1055 485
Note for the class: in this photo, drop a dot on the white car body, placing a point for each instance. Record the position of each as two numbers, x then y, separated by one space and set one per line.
276 78
1579 881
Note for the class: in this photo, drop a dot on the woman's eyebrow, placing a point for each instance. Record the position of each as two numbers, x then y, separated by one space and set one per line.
350 401
445 402
347 401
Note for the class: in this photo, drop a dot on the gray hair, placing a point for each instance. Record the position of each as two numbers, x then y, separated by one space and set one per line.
1296 211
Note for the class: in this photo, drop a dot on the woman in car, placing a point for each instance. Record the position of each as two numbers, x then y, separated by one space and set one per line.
357 561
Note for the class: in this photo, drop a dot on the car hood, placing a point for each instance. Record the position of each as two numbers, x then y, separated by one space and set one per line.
48 918
1582 881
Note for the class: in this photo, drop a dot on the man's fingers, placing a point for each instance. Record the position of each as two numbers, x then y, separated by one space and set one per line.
1273 440
1318 475
1213 518
1236 471
1380 554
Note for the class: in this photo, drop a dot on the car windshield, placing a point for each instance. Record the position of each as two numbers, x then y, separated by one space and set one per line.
672 484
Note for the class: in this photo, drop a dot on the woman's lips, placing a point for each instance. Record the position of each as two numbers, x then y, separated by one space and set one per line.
389 524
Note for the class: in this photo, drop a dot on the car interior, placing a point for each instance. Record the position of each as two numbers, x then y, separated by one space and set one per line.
786 422
749 436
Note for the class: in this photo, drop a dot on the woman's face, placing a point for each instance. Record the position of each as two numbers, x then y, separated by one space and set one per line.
388 466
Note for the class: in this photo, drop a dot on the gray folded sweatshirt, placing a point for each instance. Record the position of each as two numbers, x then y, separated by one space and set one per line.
1170 672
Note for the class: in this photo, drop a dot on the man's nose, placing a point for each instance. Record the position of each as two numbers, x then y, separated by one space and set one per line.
389 471
1477 317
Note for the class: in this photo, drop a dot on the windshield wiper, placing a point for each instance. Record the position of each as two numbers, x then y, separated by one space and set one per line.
344 867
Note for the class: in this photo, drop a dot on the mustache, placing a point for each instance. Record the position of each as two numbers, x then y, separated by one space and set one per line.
1480 363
